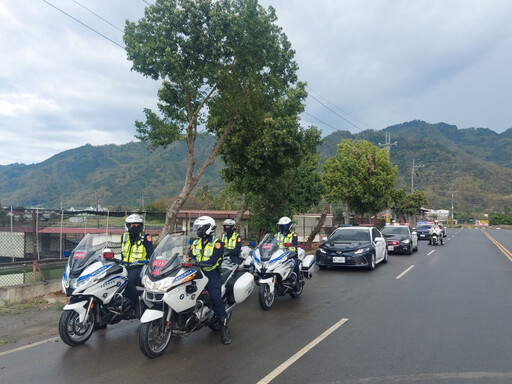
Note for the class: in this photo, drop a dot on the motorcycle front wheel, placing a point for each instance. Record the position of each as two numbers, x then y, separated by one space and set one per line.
266 297
154 338
72 331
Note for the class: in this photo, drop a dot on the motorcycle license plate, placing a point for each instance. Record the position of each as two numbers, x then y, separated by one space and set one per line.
391 248
338 259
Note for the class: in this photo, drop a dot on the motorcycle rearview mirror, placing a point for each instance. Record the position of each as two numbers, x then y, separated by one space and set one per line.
67 253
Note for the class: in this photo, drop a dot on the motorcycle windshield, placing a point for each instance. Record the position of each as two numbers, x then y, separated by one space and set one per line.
168 255
267 247
90 249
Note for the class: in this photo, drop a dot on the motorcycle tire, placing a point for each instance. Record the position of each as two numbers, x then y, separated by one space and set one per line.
266 298
71 331
296 293
154 338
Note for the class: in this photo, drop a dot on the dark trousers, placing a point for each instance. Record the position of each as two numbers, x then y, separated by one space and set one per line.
214 288
133 281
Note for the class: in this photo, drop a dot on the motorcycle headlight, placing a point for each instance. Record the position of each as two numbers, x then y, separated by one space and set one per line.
361 250
160 286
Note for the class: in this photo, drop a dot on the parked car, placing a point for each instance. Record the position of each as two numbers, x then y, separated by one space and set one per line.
400 239
352 247
423 231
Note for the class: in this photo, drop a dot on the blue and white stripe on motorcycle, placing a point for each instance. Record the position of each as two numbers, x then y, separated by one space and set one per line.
185 274
96 272
280 257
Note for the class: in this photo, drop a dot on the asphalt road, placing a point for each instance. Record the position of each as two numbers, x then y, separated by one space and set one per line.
441 315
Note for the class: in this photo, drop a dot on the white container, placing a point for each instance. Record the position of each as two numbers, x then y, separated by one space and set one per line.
243 287
307 265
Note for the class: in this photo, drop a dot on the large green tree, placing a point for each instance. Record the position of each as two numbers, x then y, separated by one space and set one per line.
361 176
226 55
408 204
272 162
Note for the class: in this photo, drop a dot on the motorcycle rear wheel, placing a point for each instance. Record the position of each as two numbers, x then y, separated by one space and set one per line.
71 331
154 338
266 298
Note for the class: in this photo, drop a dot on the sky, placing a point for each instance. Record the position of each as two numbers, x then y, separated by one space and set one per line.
65 80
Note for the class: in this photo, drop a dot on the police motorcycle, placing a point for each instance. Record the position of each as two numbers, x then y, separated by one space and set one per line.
174 291
436 236
95 282
273 267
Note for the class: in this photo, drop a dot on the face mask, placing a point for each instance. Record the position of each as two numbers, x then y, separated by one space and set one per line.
136 230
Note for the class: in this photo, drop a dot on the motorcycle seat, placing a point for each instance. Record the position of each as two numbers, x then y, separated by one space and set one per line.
224 274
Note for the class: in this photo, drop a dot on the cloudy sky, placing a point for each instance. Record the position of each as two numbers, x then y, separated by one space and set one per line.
368 64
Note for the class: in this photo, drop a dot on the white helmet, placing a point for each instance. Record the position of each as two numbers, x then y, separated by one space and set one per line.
229 225
436 221
204 226
134 218
285 224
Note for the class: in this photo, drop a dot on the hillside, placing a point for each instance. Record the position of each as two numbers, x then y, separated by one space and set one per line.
120 174
475 163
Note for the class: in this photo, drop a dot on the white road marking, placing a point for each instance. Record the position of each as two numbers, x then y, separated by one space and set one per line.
28 346
276 372
404 272
431 252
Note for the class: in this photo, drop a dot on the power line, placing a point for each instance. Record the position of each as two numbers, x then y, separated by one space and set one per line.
313 97
323 122
95 14
85 25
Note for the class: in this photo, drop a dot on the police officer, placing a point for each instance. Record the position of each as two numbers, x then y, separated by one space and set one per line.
232 241
285 236
136 246
208 251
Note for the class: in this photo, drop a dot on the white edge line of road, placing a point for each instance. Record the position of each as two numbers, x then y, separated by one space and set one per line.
404 272
276 372
28 346
431 252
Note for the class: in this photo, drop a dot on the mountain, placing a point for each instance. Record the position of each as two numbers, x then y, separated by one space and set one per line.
117 175
474 165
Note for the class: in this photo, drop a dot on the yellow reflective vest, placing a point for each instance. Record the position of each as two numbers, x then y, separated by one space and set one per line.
231 243
132 253
282 239
204 254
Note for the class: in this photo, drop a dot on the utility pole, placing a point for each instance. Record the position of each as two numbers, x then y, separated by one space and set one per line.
452 191
388 144
413 172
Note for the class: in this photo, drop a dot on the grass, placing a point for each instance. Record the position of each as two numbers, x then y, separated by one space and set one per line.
39 303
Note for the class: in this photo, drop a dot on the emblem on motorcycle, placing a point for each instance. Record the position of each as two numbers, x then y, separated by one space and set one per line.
182 296
193 297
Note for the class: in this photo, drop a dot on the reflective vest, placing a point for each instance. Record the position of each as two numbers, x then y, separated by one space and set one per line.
204 254
282 239
132 253
231 243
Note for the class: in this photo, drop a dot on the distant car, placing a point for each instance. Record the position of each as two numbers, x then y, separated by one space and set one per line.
400 239
362 247
423 231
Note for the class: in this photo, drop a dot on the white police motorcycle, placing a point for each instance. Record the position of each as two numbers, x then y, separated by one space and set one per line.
175 295
96 282
273 267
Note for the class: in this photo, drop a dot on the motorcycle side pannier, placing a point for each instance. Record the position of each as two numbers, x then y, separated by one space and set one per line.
239 287
307 266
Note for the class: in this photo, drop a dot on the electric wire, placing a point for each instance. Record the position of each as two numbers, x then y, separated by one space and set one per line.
314 98
85 25
323 122
95 14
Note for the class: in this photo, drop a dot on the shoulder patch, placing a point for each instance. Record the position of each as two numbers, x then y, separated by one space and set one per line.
148 238
239 239
295 234
217 245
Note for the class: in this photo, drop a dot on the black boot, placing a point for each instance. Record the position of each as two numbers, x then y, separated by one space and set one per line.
224 331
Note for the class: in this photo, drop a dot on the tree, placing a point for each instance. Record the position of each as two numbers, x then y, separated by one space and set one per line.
273 161
361 176
408 204
207 54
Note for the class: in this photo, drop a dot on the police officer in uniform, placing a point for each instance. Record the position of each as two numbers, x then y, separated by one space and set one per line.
136 246
286 236
208 251
232 241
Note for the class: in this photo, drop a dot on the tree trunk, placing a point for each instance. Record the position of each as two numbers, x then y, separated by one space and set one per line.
319 226
347 212
241 210
191 179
